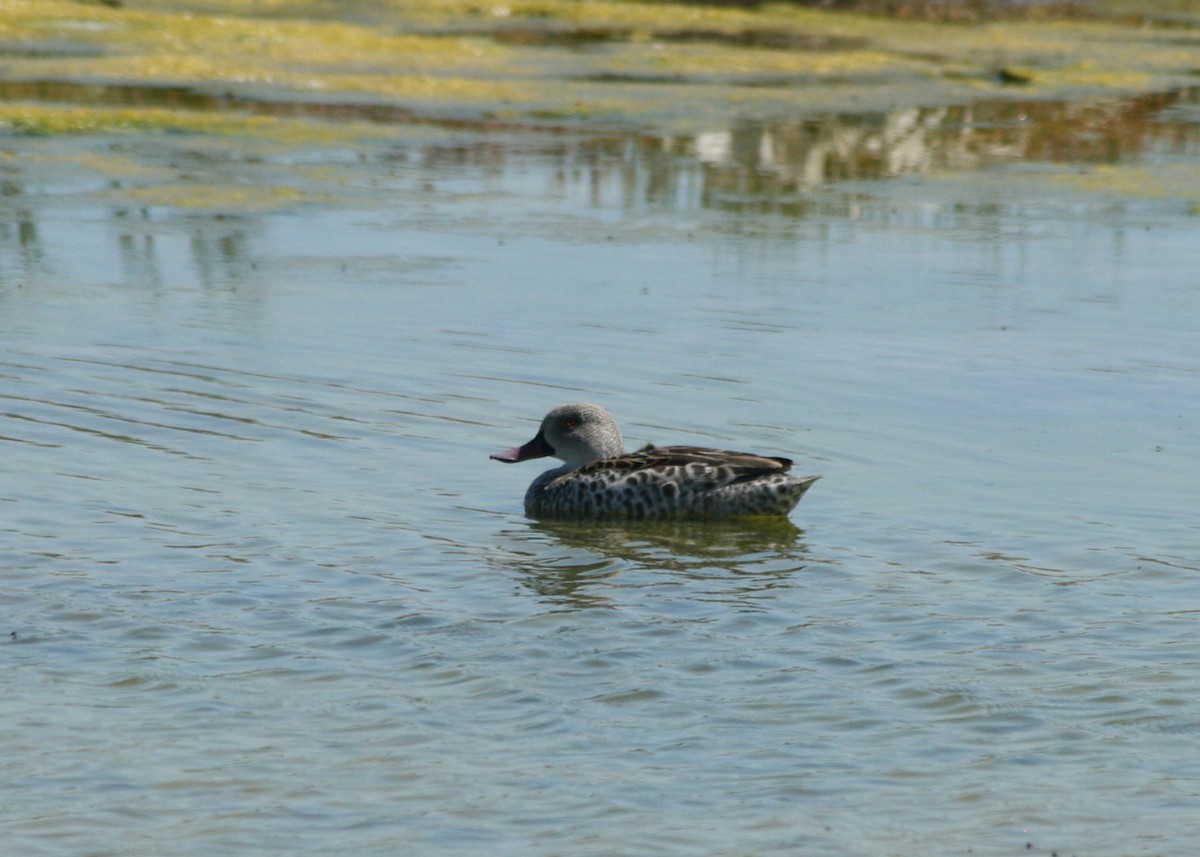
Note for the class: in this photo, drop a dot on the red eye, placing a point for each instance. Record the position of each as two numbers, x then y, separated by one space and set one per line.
570 422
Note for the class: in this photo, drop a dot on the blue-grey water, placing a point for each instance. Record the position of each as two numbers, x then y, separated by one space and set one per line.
263 591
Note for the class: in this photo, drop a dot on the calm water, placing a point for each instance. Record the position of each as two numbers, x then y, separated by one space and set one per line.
264 593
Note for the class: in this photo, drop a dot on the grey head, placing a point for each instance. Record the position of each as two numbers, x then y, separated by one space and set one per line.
576 434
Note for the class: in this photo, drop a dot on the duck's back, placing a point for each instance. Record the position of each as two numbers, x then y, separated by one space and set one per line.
668 482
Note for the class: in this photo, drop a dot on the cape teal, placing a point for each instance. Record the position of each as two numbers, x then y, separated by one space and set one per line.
599 480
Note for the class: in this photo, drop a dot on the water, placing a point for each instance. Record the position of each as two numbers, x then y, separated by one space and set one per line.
263 591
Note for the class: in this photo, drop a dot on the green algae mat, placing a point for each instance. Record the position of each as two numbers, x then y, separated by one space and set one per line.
249 81
211 66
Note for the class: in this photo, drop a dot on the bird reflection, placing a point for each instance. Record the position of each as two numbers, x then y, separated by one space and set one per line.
680 540
581 563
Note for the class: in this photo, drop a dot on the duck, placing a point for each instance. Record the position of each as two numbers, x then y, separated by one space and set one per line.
599 480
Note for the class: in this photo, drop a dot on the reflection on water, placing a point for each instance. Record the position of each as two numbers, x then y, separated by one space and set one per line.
575 563
790 168
679 544
769 166
769 159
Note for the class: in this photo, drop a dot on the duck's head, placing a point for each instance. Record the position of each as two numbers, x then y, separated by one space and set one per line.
576 434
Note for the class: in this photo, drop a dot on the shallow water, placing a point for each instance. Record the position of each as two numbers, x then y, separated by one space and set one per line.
265 593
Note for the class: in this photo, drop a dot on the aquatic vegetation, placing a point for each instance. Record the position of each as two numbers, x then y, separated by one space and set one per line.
654 63
57 119
1127 180
241 198
288 73
41 119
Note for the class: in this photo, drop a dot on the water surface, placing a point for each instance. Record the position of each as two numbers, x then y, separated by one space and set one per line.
264 592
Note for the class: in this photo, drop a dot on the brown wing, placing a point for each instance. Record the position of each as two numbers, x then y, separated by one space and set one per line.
733 466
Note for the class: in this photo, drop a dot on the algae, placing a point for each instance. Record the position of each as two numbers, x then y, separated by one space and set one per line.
43 120
241 198
47 120
1163 181
773 101
553 61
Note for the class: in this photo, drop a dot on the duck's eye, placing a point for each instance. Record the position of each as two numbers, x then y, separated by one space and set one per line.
570 422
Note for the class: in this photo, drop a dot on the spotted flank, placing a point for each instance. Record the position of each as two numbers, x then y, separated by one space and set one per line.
598 480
